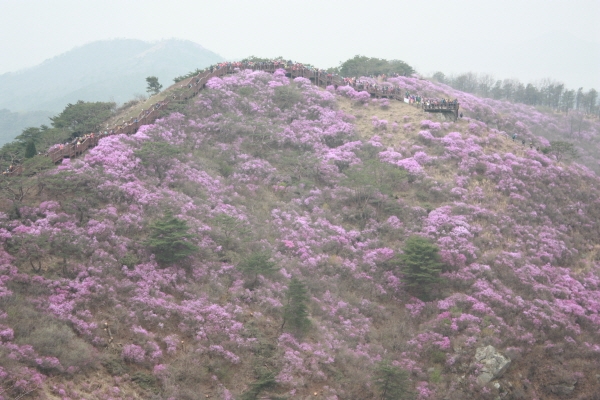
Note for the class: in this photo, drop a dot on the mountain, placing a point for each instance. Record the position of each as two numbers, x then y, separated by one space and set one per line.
12 123
112 70
272 239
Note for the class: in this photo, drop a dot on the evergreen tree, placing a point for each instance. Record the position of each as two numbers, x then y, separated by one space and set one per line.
561 150
590 99
153 85
30 134
169 240
392 382
186 76
257 264
83 117
30 150
158 156
295 311
439 77
265 381
229 232
421 264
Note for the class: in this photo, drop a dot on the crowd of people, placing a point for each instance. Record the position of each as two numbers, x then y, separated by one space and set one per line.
440 103
80 139
377 85
264 65
9 170
515 138
74 144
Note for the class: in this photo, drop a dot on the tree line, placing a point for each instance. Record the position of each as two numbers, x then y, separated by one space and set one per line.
75 120
547 92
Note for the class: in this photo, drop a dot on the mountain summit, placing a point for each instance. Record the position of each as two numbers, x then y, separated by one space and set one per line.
110 70
100 71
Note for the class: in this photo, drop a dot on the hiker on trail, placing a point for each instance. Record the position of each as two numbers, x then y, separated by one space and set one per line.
514 136
461 115
523 142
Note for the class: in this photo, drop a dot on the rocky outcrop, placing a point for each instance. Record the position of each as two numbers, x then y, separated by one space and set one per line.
563 389
493 363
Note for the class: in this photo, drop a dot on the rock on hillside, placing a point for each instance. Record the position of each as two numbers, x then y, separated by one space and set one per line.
493 364
319 187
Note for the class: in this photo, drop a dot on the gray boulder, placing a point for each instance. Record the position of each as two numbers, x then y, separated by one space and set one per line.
494 364
563 389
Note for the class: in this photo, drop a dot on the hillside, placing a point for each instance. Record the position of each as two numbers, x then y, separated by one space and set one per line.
112 70
272 181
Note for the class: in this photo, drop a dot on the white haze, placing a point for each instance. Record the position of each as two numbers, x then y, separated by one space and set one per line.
528 40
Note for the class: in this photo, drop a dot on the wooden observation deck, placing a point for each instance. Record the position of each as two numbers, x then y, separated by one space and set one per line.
450 108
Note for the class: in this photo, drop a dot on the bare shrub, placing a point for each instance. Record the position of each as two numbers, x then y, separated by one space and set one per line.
49 336
186 378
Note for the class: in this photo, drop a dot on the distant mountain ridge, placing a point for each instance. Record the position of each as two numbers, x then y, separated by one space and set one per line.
100 71
111 70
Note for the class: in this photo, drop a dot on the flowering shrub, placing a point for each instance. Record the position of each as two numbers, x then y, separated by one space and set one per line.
133 353
362 97
379 124
262 164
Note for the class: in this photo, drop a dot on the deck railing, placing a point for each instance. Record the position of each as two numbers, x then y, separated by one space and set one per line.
441 107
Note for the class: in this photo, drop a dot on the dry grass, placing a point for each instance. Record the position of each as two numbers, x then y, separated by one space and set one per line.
96 382
395 112
136 109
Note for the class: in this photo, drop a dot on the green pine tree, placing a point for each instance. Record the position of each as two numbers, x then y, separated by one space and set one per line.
30 150
392 382
257 264
153 85
83 117
169 240
265 381
421 265
561 150
295 311
158 157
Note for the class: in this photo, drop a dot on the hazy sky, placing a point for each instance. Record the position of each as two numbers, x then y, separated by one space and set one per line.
448 35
